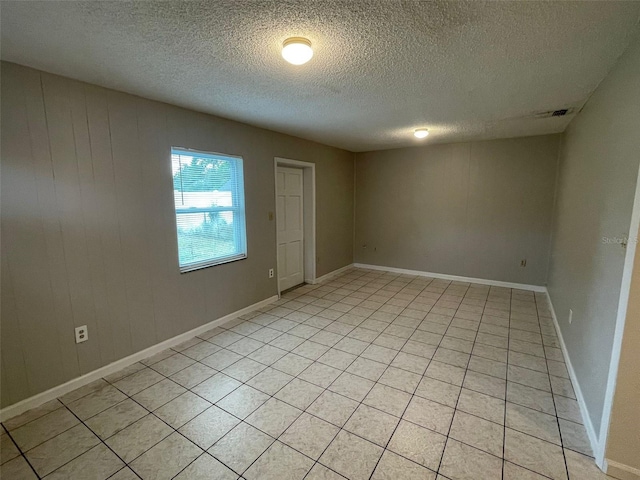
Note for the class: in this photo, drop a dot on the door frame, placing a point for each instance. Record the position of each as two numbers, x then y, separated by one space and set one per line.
308 214
600 449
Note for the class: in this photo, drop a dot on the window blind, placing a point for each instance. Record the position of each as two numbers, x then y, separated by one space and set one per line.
208 192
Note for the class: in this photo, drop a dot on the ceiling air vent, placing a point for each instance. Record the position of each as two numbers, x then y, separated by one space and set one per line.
554 113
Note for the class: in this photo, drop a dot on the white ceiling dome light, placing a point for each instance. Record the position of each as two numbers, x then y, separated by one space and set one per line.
421 133
297 50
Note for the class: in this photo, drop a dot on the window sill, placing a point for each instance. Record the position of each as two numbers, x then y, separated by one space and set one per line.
199 266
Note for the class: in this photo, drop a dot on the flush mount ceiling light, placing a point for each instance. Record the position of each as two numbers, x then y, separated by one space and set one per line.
297 50
421 133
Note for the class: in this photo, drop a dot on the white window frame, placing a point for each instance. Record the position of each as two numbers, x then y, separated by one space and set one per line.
238 210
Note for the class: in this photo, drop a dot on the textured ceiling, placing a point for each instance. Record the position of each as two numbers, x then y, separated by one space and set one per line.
466 70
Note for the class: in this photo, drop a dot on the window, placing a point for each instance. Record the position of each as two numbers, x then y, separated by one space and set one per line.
208 190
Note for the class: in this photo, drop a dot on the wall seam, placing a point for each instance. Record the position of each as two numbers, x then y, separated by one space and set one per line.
556 190
355 186
60 227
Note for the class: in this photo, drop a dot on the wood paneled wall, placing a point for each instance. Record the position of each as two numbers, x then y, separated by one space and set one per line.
88 227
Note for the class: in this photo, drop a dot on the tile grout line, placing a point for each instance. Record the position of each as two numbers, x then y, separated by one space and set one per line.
308 413
101 441
384 448
343 336
174 430
516 382
238 387
400 419
22 454
271 396
150 366
455 408
359 403
506 387
370 343
507 402
555 408
413 394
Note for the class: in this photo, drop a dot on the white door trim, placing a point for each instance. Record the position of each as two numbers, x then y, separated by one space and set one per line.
619 330
309 213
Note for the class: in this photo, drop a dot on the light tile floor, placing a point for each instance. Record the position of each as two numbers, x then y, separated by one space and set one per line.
371 375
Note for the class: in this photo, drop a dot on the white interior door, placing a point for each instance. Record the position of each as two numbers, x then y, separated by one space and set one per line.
290 227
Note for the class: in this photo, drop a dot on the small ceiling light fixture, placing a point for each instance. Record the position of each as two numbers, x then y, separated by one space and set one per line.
297 50
421 133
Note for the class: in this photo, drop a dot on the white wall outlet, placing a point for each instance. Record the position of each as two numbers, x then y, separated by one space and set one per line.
82 334
570 315
271 273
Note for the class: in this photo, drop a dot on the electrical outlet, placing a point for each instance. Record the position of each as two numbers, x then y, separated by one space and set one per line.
271 273
523 263
82 334
570 315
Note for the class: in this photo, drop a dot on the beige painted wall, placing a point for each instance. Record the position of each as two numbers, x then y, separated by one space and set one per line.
472 209
624 432
597 181
88 229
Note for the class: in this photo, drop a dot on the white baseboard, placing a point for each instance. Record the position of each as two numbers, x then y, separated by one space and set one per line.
586 419
621 471
457 278
55 392
330 275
